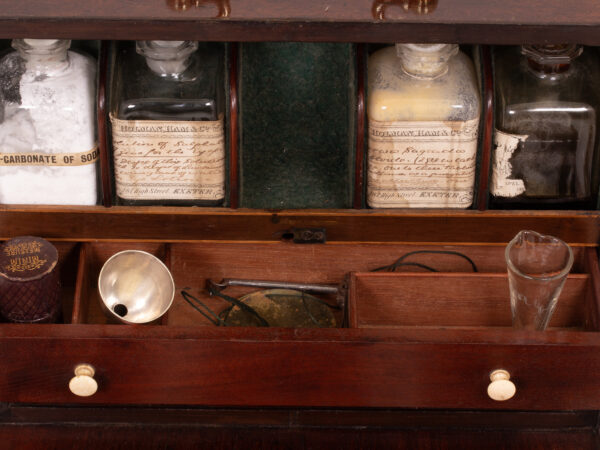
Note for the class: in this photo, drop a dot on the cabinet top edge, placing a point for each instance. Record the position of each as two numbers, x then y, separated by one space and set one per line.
381 12
510 29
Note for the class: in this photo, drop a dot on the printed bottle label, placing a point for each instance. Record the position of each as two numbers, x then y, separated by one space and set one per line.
421 164
501 184
50 159
173 160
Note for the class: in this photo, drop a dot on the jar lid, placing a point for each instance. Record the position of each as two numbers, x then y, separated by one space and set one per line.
27 258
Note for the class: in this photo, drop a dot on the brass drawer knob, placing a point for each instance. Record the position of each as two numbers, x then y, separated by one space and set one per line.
501 388
83 383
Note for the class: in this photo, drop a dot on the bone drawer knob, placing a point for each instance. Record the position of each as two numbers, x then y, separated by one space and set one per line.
501 388
83 383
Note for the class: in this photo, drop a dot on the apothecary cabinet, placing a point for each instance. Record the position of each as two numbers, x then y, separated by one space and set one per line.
375 383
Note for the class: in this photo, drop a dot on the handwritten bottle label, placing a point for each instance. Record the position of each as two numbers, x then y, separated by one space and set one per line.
421 164
169 160
501 184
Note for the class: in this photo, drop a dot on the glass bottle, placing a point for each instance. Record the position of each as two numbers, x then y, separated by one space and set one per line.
167 124
49 153
545 136
423 109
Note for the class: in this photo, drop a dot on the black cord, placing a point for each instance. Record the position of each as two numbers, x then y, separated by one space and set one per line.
192 300
399 262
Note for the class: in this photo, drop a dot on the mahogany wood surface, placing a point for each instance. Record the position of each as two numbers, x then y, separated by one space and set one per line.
26 427
101 116
331 368
234 172
464 21
593 300
172 224
360 163
192 264
488 128
176 437
83 280
413 367
451 300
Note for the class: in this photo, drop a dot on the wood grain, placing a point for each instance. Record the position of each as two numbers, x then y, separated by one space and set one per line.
26 427
451 300
463 21
340 371
360 163
175 437
234 163
102 114
488 128
172 224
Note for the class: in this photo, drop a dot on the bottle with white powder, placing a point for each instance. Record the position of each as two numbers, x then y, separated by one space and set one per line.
48 149
423 110
167 124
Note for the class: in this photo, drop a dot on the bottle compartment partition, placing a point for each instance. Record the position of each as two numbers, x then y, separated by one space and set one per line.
389 297
247 177
274 163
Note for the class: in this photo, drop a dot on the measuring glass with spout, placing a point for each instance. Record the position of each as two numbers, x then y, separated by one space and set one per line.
537 270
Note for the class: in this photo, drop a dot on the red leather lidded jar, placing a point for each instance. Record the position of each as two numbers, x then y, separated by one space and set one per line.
29 281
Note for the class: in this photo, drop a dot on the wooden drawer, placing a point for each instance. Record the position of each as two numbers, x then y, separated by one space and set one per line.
344 368
184 360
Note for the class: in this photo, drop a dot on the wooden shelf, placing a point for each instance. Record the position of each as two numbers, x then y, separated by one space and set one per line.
172 224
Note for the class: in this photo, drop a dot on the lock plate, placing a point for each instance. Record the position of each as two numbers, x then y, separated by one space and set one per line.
309 235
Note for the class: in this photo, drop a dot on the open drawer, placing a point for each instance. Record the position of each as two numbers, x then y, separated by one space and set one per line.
414 339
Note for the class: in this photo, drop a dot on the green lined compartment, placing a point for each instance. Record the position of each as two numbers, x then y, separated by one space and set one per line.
297 125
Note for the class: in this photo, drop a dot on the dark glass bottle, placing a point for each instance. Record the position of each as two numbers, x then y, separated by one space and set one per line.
546 125
167 124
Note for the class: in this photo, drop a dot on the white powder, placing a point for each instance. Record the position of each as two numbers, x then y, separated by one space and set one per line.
56 115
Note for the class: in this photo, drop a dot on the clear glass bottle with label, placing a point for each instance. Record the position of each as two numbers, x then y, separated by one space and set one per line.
546 125
423 110
48 149
167 124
